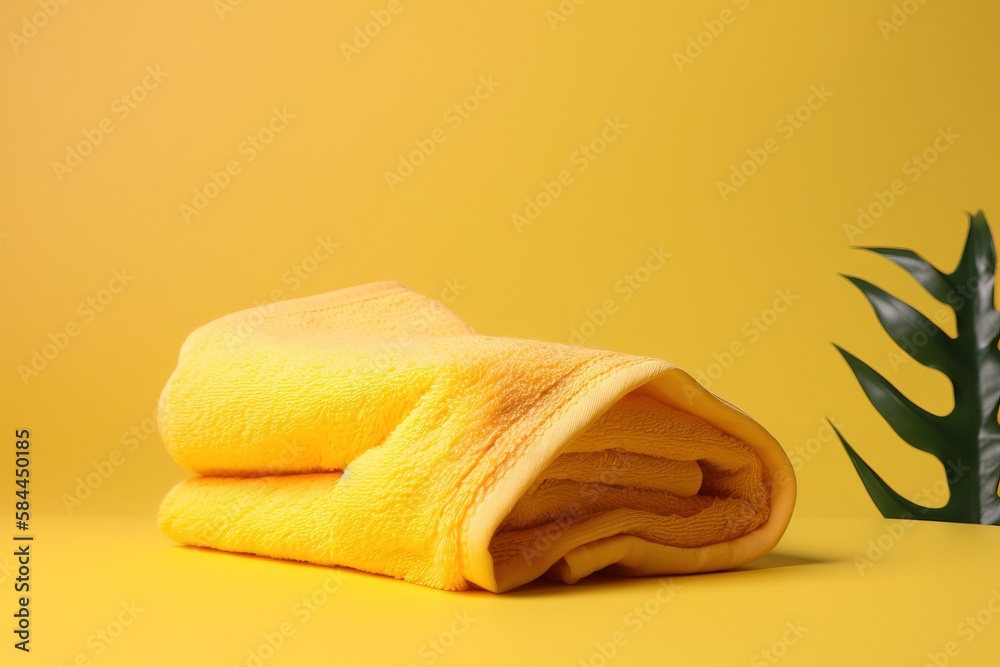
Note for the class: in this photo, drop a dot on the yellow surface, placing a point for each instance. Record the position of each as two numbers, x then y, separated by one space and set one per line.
201 607
749 295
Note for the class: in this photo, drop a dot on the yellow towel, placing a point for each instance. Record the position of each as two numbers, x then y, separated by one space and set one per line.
371 428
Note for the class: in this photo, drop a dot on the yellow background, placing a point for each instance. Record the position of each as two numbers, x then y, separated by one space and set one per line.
687 124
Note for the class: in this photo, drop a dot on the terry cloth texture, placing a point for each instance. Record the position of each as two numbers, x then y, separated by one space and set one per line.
371 428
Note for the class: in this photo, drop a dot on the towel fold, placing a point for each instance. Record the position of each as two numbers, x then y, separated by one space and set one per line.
371 428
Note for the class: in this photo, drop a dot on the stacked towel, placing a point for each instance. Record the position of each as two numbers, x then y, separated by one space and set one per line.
371 428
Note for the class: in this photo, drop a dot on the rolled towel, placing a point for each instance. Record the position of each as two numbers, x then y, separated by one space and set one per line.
371 428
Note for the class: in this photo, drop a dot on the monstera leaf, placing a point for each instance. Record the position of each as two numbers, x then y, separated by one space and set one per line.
967 440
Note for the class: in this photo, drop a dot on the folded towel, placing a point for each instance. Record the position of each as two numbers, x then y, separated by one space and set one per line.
371 428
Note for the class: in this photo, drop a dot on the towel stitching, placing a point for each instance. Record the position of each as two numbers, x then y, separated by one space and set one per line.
583 364
337 306
500 471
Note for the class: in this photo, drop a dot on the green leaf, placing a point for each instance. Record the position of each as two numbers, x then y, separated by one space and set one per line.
932 280
979 257
909 328
890 504
967 440
977 319
922 429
